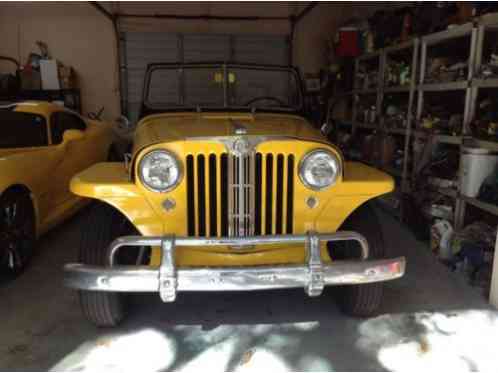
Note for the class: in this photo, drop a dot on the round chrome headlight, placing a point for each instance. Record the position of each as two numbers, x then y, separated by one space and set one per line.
319 169
159 171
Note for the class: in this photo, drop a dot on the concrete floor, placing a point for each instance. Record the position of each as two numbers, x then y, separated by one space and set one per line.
429 319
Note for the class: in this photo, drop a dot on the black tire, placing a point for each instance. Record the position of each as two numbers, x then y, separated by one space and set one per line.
104 224
360 300
17 232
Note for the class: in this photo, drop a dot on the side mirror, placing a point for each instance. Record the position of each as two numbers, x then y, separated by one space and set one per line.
72 135
123 123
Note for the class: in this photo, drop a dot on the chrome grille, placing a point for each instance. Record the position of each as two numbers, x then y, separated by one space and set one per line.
239 195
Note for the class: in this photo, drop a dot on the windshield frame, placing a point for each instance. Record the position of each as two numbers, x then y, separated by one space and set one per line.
150 108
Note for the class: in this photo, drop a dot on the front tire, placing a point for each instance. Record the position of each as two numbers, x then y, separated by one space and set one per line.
17 232
104 224
360 300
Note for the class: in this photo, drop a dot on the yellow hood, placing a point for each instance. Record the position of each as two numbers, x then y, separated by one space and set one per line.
182 126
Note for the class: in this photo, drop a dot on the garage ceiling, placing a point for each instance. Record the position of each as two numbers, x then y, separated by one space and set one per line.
211 8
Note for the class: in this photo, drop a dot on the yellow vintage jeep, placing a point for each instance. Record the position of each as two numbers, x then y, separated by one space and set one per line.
229 188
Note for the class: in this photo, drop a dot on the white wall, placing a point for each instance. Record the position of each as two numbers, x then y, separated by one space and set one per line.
77 35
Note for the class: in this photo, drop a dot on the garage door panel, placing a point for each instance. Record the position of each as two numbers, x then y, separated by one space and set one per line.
142 48
273 50
199 48
147 47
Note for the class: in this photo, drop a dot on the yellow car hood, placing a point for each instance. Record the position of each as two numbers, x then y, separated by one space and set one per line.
183 126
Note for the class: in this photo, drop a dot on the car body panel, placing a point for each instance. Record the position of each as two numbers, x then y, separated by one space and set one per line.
46 171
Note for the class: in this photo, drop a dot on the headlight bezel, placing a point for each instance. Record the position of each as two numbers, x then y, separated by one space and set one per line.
179 166
307 156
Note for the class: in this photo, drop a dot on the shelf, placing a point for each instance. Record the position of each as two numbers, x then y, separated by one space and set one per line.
455 32
492 209
449 86
401 46
485 83
366 125
447 139
369 56
449 192
400 88
491 145
397 131
369 91
419 133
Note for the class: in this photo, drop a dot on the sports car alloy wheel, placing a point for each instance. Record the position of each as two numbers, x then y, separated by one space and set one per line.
16 232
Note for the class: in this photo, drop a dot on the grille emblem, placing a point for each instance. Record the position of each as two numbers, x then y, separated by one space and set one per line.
241 146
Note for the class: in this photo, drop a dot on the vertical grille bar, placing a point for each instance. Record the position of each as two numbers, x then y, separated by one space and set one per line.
191 209
274 199
279 200
269 194
252 192
207 182
285 194
264 178
258 200
290 194
224 194
213 197
240 195
201 194
196 196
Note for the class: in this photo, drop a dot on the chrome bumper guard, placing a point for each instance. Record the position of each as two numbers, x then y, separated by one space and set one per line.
166 279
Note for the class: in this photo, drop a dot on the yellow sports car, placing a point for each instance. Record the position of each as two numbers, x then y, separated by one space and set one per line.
229 188
42 146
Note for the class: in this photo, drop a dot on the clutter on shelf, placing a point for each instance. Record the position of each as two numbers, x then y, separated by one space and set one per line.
444 70
41 77
397 74
395 113
485 123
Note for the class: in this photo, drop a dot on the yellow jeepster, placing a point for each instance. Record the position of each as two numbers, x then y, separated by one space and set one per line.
229 188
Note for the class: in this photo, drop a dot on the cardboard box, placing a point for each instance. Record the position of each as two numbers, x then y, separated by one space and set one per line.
67 77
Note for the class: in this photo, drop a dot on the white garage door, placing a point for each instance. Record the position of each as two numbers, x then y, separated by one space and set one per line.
138 49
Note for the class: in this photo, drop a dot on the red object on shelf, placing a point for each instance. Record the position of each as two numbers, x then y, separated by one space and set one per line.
348 43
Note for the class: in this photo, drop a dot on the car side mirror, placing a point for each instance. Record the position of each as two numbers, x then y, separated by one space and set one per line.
123 123
72 135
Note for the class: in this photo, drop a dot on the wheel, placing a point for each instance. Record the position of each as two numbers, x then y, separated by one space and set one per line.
104 224
360 300
17 232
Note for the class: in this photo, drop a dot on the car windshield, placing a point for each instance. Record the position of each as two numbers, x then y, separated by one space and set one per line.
222 87
22 130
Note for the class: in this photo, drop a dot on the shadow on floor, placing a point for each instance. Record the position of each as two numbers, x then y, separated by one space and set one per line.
278 330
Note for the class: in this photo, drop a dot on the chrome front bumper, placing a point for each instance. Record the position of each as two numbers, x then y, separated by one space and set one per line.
166 279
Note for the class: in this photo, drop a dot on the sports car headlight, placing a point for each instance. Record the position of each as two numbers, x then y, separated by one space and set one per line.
319 169
159 171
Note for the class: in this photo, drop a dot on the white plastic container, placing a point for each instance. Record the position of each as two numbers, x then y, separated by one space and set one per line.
477 164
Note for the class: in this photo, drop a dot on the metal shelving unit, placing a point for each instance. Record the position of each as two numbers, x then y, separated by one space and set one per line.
379 126
477 83
419 88
470 86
